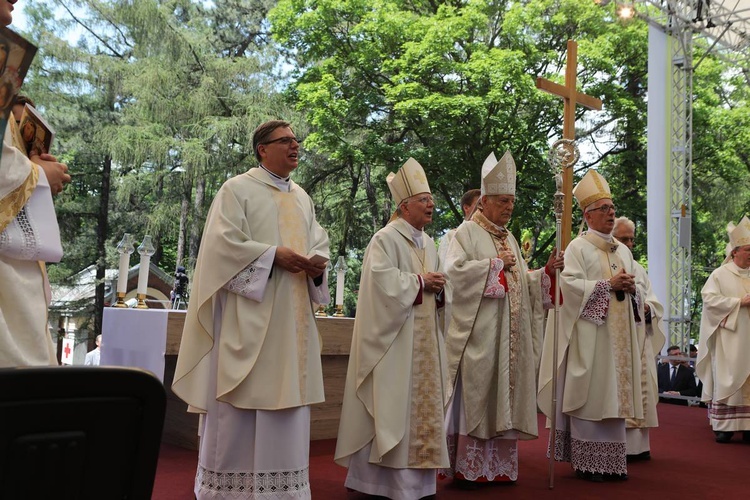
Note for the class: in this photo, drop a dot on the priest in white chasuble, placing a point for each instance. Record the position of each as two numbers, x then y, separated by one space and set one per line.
494 338
249 360
637 430
29 237
391 433
723 363
600 336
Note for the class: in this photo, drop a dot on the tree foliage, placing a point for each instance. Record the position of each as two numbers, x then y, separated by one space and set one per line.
170 91
167 94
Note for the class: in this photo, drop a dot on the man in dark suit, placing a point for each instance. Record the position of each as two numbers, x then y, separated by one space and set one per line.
676 378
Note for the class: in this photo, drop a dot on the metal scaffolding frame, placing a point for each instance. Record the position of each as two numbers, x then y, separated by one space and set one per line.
681 187
722 28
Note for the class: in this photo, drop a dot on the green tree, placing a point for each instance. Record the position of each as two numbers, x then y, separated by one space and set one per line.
166 95
446 83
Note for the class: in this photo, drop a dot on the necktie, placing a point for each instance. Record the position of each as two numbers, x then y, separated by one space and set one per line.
673 377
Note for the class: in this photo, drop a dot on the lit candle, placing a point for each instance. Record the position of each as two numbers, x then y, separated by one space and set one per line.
124 248
146 250
340 272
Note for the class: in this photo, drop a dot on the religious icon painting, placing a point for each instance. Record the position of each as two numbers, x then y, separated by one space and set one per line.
34 133
16 54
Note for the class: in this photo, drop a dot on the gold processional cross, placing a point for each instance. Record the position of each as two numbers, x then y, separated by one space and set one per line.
570 97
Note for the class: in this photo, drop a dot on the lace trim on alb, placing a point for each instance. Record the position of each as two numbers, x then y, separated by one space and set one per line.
21 227
598 304
493 289
479 458
450 471
295 483
562 446
244 281
603 457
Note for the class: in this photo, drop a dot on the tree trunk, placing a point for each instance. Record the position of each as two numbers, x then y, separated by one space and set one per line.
349 208
159 249
197 227
184 210
102 230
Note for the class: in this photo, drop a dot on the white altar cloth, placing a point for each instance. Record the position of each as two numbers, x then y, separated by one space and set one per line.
135 338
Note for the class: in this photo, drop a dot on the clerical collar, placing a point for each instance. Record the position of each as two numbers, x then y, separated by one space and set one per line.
282 183
745 273
605 236
416 235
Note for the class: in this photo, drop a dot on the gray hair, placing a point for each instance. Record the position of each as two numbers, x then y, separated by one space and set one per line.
620 221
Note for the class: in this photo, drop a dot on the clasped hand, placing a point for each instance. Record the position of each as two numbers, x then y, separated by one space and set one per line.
623 281
555 261
288 259
508 258
433 282
56 172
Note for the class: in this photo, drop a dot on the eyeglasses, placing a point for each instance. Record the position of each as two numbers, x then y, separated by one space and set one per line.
425 199
286 141
604 209
625 239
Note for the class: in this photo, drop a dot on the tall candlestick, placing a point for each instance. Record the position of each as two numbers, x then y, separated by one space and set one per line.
146 250
122 275
124 248
340 274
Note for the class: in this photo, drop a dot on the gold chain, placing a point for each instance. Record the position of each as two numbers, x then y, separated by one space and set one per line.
421 259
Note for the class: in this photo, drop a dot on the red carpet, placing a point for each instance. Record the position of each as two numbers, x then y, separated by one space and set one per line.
686 464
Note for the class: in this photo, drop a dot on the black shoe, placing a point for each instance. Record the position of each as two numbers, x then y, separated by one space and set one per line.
615 477
646 455
724 437
594 477
746 436
466 485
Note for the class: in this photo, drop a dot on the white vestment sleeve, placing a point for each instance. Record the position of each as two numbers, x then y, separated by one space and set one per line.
319 294
251 282
493 289
34 234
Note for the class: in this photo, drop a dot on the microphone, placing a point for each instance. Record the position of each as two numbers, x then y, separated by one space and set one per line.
620 295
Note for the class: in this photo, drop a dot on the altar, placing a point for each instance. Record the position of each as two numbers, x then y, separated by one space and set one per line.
150 339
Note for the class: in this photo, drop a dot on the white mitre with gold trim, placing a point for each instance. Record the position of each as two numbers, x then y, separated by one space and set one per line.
410 180
739 235
499 177
593 187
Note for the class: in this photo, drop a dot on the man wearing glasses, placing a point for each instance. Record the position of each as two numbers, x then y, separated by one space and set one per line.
391 434
639 446
249 360
599 359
